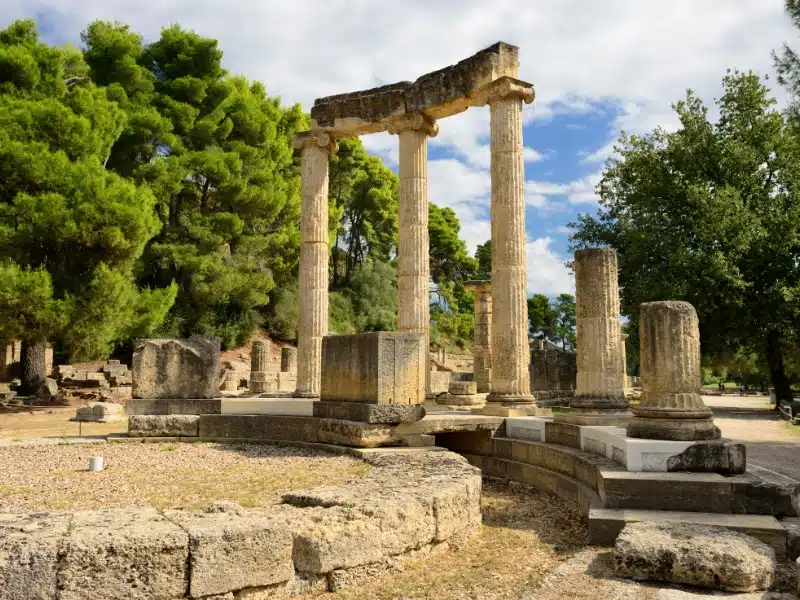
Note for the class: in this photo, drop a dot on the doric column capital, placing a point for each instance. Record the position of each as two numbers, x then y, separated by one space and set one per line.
501 88
414 122
479 285
323 139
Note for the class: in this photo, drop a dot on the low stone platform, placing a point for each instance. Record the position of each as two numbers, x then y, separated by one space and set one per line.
316 541
635 454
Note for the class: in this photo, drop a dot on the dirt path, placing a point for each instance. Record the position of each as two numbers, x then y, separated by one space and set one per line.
771 444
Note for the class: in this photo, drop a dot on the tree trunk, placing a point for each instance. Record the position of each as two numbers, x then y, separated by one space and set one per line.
783 391
33 369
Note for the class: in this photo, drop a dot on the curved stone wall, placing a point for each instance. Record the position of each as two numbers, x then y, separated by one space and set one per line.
317 540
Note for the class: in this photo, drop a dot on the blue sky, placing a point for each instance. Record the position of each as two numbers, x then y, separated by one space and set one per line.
598 68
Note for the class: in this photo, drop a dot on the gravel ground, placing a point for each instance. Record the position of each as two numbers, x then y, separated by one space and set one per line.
187 476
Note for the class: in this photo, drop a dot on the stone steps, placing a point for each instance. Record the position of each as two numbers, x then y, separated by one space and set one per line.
605 525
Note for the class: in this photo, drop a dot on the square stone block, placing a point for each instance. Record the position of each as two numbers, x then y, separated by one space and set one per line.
163 425
231 552
564 434
358 434
369 413
264 427
374 368
170 368
173 406
691 492
132 553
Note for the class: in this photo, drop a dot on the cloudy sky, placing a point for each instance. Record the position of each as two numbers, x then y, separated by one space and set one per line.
598 68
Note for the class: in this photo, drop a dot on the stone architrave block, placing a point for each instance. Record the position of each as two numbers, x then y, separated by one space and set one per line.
357 434
163 425
374 368
369 413
693 554
169 368
133 554
230 552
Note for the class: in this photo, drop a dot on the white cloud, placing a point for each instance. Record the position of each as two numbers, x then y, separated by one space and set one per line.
547 273
562 229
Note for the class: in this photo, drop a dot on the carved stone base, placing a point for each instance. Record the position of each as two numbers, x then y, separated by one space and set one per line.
673 429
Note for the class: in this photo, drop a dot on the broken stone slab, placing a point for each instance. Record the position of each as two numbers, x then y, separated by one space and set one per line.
459 400
694 555
169 368
100 412
131 553
163 425
725 458
369 413
29 554
763 492
357 433
230 552
374 368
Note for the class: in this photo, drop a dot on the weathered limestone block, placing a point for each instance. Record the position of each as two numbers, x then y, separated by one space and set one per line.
164 368
265 427
230 381
259 356
375 368
695 555
725 458
173 406
29 554
133 553
163 425
100 412
671 407
462 388
369 413
438 94
230 552
357 433
288 360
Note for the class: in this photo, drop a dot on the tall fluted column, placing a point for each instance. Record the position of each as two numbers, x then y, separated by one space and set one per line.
482 339
599 392
511 385
624 358
313 298
258 367
413 247
671 407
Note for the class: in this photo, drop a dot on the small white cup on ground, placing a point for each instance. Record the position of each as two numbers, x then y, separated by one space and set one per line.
96 464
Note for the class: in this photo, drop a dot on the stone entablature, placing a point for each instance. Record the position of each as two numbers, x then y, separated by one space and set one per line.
318 540
439 94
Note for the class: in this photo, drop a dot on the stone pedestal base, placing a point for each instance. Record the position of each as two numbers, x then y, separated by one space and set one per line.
594 417
512 409
369 413
310 395
673 429
459 399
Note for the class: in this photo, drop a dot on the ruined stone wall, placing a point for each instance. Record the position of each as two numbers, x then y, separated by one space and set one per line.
553 370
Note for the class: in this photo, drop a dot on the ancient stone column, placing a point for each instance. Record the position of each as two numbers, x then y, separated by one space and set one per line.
288 359
481 346
624 358
671 407
599 392
413 247
258 356
313 298
510 352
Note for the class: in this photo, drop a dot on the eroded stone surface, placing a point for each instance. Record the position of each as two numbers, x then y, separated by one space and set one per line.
230 552
126 554
369 413
671 407
725 458
482 337
163 425
165 368
695 555
100 412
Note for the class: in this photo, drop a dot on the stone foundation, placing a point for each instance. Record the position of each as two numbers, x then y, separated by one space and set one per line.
318 540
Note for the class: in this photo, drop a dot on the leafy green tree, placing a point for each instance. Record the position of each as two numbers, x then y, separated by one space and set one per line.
449 260
787 63
216 152
709 214
483 254
565 320
541 317
71 231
